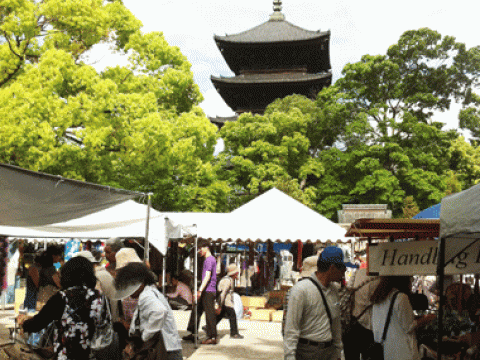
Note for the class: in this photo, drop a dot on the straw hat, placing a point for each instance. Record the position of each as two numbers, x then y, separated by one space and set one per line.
87 255
309 266
125 256
232 269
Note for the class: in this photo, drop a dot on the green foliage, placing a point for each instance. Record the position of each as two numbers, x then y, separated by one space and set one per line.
276 149
410 208
29 28
372 137
136 127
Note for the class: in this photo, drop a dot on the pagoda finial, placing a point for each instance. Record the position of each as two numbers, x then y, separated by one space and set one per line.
277 11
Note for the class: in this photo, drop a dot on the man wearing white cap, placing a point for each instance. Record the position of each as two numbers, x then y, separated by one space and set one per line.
312 325
226 306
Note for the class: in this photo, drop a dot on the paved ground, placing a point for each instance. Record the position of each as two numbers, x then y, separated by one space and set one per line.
263 340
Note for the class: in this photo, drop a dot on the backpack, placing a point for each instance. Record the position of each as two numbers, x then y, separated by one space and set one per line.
347 303
103 337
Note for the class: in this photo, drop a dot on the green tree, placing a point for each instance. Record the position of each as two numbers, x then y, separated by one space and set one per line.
407 152
136 127
280 148
371 138
410 208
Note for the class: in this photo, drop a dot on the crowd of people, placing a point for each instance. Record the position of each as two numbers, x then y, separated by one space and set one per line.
383 314
141 317
76 298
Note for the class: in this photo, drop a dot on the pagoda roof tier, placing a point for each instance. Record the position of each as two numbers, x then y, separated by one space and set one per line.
222 120
272 31
254 92
280 51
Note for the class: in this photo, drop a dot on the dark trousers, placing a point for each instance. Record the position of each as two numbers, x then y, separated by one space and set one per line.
356 343
206 303
311 352
229 313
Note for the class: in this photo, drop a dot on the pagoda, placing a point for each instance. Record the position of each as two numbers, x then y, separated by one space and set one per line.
271 61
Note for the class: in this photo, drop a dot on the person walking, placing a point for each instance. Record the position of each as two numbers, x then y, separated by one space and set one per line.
205 297
226 305
153 328
75 309
312 325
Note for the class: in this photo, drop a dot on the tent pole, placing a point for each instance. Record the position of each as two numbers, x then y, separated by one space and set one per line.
147 228
167 240
440 280
195 283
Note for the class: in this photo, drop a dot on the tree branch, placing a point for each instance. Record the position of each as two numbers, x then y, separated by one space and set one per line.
10 45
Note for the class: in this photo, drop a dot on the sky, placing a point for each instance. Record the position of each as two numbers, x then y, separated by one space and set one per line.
357 28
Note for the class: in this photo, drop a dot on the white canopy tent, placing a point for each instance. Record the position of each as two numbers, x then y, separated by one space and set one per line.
124 220
272 216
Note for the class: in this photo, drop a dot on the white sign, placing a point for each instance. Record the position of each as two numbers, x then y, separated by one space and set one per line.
421 257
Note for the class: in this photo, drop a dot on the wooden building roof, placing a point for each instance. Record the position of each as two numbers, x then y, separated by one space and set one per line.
255 92
313 54
374 229
222 120
269 78
272 31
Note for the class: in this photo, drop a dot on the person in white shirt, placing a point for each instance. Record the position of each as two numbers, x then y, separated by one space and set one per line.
153 318
400 342
312 324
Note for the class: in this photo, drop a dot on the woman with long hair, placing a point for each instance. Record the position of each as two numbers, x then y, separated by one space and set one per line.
400 342
33 282
75 309
49 278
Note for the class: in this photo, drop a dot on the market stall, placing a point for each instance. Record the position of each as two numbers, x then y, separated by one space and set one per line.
271 217
459 235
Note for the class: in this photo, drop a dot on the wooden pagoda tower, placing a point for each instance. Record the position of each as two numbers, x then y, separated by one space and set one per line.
271 61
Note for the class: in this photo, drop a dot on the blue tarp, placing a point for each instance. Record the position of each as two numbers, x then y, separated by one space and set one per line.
263 247
433 212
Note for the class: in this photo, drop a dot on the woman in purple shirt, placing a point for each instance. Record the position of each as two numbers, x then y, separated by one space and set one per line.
205 297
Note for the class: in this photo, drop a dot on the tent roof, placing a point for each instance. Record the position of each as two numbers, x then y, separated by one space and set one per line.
459 214
32 198
126 220
271 216
433 212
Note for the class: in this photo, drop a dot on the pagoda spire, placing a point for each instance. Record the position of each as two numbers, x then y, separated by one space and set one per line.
277 11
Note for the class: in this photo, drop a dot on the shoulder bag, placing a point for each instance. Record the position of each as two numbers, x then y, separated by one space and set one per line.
105 343
327 309
285 306
375 350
